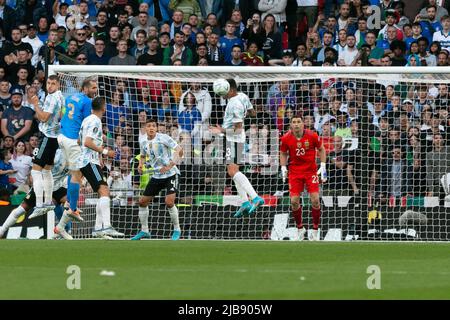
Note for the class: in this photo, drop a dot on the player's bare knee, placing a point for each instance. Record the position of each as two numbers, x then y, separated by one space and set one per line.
295 205
315 204
76 177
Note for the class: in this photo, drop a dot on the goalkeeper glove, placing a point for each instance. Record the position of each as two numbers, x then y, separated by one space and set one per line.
284 172
323 172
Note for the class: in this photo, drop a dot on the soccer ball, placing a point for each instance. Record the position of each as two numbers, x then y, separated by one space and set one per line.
221 87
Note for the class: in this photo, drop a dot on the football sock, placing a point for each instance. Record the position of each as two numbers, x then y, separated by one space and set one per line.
298 217
65 219
105 209
38 187
59 210
47 178
11 220
316 218
98 217
240 190
174 217
242 180
143 217
74 192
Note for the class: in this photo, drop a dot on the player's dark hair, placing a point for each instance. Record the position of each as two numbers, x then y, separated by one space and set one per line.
151 120
53 77
233 84
98 103
297 116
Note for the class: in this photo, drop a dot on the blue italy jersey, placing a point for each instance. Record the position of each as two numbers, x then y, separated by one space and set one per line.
78 106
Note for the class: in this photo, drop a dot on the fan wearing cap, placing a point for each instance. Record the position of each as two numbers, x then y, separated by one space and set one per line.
17 120
408 108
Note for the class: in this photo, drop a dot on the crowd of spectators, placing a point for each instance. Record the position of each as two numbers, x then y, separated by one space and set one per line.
403 128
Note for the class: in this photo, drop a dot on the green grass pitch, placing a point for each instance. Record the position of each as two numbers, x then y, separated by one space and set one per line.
223 270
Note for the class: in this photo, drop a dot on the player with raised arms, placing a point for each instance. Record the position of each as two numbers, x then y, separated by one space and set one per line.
78 107
163 156
49 117
91 138
59 173
237 108
300 146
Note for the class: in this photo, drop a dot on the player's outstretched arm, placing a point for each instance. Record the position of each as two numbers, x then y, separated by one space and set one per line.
323 167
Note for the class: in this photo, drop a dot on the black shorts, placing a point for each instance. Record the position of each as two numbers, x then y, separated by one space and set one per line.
234 152
155 186
45 154
94 175
30 199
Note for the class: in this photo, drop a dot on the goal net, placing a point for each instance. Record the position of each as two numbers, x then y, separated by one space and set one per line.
386 133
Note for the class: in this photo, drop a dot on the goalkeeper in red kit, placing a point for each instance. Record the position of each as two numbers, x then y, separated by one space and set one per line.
300 146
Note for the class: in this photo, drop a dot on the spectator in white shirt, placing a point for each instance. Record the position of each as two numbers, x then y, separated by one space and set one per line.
60 13
22 165
35 43
347 57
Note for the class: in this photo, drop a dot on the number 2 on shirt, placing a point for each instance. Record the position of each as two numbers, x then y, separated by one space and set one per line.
71 108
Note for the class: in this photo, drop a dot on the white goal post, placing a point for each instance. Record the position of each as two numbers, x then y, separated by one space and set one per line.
386 131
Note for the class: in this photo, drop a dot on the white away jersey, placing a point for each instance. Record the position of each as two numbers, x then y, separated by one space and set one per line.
443 39
159 150
235 112
53 104
60 171
91 127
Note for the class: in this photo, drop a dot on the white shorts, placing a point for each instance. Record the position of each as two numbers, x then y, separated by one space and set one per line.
71 150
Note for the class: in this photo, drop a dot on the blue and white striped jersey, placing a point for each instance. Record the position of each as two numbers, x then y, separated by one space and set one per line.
90 127
53 104
159 150
235 112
